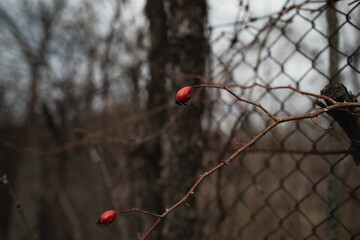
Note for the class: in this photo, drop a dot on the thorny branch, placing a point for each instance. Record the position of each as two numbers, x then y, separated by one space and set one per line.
89 135
227 161
224 162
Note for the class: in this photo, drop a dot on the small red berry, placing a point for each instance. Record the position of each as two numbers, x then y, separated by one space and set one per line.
107 217
183 95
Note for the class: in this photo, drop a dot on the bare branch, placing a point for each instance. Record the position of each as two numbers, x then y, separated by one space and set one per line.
225 162
5 181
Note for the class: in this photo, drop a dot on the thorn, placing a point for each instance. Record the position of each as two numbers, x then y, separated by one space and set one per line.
238 143
226 161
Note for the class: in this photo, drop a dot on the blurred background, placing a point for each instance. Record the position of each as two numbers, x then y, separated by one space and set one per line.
88 121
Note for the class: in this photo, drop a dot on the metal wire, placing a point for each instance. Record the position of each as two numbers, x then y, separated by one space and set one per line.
296 183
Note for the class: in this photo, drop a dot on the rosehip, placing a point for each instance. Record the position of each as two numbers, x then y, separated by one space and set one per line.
183 95
107 217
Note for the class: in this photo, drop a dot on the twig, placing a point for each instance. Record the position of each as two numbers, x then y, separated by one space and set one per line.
149 137
139 211
5 181
70 214
267 88
244 147
225 87
317 124
92 135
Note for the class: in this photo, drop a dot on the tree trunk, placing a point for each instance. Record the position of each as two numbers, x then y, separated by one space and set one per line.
151 152
182 142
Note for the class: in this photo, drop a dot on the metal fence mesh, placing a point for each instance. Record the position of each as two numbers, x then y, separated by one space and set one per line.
298 182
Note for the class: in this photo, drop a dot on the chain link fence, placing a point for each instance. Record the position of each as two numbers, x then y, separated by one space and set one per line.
298 182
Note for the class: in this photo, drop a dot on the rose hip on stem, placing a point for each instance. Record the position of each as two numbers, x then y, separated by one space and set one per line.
183 95
107 217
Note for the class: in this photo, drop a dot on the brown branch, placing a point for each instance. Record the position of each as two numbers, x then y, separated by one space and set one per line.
242 149
5 181
99 159
210 84
92 135
317 124
148 137
139 211
225 87
53 151
267 88
132 118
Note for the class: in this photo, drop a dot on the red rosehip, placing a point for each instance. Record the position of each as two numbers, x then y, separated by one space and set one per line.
183 95
107 217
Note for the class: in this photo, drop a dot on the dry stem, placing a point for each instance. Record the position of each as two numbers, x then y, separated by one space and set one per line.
225 162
